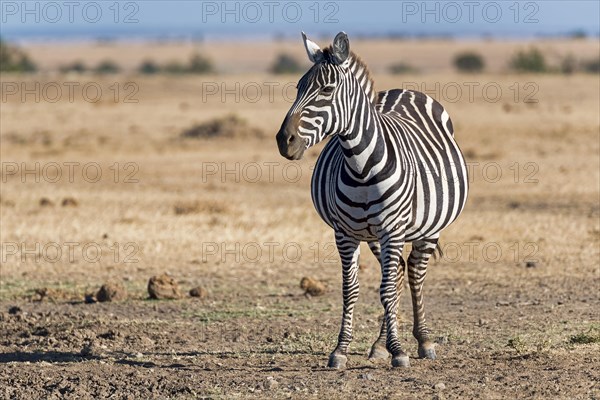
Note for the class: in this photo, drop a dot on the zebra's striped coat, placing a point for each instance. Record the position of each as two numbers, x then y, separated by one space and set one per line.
391 173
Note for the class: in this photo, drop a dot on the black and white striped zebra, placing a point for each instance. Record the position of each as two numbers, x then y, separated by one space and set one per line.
392 173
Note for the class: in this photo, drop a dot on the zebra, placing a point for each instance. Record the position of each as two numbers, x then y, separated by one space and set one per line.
390 174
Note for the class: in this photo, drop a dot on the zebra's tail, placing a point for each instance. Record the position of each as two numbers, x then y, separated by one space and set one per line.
438 253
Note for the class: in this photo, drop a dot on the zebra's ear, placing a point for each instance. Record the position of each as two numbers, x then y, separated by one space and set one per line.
341 47
314 52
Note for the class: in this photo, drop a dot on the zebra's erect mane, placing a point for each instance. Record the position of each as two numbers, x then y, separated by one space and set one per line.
360 70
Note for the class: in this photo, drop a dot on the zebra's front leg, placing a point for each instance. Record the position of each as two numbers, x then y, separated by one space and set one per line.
392 273
417 267
349 250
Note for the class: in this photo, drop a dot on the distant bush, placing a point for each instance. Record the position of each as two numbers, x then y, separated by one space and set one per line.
578 34
148 67
401 68
592 66
200 65
77 66
531 60
228 126
469 62
13 59
286 64
107 67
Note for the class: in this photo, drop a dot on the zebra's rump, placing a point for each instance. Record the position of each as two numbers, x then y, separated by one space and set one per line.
430 195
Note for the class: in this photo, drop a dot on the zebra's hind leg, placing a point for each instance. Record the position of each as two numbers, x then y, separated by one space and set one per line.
349 250
392 273
378 349
417 268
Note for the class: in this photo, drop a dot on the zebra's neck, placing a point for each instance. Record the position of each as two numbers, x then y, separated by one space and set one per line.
363 143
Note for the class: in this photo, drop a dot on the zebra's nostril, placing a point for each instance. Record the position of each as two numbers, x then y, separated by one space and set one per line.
291 139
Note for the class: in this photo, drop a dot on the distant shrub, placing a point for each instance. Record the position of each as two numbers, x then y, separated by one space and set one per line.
148 67
592 66
401 68
286 64
76 66
107 67
13 59
469 62
531 60
227 126
200 65
578 34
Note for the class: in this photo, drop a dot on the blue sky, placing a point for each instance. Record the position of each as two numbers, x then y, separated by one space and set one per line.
245 20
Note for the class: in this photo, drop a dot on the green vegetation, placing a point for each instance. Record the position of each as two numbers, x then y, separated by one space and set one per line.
469 62
198 64
592 335
107 67
77 67
148 67
531 60
401 68
13 59
286 64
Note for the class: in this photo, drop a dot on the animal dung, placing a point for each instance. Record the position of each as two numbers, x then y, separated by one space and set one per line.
199 292
45 202
312 286
162 287
69 202
111 292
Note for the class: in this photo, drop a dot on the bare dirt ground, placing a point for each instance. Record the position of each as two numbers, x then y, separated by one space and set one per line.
513 303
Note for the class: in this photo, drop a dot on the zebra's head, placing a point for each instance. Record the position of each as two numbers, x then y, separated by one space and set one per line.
320 108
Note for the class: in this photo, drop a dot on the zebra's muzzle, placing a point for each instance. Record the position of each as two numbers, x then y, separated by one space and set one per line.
290 144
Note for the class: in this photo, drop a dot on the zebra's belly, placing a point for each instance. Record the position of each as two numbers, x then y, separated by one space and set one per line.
432 203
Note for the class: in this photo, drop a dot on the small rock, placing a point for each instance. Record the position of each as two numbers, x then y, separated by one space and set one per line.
69 202
111 292
530 264
163 287
199 292
367 376
271 383
312 286
482 322
439 386
45 202
89 298
14 310
105 236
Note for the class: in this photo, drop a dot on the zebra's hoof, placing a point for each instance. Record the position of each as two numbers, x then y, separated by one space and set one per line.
427 351
378 353
337 361
400 361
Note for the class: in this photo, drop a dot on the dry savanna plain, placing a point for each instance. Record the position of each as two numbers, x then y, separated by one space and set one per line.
140 175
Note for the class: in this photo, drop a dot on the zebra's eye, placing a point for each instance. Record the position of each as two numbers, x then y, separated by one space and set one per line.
327 90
